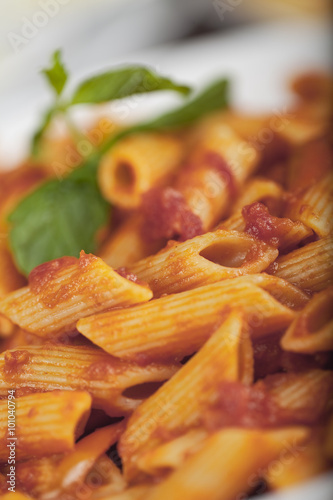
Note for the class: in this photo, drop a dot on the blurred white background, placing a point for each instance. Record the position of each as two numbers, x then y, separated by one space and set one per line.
96 34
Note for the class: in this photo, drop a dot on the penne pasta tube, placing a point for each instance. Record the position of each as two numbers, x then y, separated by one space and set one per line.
309 267
177 405
215 471
45 424
20 338
312 330
262 190
109 478
139 492
172 454
15 496
37 475
73 468
277 400
307 396
299 467
203 190
179 324
66 475
218 168
7 328
279 232
301 173
105 378
127 244
204 259
299 130
313 206
10 278
136 164
279 131
64 290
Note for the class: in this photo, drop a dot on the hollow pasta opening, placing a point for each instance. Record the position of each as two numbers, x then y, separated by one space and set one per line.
142 391
124 175
228 253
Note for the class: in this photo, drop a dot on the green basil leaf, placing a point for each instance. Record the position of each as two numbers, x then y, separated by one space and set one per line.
56 74
59 218
213 98
122 83
63 217
39 133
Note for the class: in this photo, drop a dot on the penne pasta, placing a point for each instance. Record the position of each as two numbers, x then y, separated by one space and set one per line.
127 244
105 479
190 359
298 266
215 471
7 328
177 405
64 290
313 206
51 418
50 367
279 232
307 463
10 278
204 259
64 475
171 454
258 189
312 330
306 396
301 174
179 324
136 164
15 496
72 470
218 168
139 492
261 189
37 475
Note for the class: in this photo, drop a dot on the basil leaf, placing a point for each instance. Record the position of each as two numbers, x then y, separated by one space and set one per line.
122 83
62 217
213 98
59 218
38 135
56 74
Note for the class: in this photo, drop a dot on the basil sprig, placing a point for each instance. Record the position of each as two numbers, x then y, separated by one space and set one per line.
109 86
62 217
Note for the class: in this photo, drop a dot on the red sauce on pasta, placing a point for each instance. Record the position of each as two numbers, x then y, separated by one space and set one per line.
44 280
167 215
264 226
258 405
220 165
125 273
